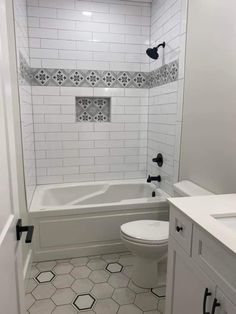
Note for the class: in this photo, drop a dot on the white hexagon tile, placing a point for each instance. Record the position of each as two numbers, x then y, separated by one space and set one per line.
90 285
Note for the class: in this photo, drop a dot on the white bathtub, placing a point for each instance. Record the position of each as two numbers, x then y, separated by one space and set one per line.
84 218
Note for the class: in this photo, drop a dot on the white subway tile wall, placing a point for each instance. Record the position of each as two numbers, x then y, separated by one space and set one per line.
21 31
103 35
70 151
165 102
92 35
96 35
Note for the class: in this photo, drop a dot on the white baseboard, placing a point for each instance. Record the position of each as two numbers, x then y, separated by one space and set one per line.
88 250
27 267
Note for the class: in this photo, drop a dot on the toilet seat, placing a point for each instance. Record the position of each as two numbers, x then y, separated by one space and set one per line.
146 231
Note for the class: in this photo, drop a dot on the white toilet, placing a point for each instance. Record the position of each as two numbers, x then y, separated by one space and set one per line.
148 239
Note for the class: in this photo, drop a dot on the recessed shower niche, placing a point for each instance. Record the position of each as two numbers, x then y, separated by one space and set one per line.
93 109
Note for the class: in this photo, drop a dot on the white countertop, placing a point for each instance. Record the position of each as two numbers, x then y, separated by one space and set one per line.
201 210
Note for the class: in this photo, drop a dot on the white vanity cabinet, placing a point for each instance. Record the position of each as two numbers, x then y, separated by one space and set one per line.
201 272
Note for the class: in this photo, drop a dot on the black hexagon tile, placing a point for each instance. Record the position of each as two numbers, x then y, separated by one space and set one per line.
84 302
114 267
159 291
45 276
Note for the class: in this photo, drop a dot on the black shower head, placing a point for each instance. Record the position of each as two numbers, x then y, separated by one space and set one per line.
153 52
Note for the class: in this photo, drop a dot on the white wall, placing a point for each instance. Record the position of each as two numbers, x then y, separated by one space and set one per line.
168 23
22 44
90 35
68 152
106 35
208 145
97 35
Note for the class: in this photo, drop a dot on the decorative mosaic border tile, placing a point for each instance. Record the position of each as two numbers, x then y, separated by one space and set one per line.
24 71
92 109
91 78
86 78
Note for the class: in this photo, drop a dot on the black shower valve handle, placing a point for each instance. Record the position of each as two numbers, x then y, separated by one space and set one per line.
158 159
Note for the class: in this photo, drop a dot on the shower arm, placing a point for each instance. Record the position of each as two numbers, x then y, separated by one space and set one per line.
161 45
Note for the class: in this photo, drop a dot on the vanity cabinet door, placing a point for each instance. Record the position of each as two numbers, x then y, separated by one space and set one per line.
187 286
222 304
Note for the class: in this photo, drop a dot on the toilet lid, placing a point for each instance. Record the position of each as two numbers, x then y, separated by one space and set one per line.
148 230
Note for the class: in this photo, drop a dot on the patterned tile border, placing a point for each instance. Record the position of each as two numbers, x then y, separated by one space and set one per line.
24 71
90 78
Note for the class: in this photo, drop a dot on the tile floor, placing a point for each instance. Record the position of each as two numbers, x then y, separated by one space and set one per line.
89 285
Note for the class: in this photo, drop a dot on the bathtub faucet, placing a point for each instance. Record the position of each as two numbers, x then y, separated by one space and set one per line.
150 179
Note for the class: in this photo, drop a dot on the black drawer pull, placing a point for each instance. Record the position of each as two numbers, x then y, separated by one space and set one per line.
178 229
214 306
206 294
20 229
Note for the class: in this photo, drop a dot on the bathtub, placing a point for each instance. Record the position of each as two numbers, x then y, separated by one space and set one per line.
81 219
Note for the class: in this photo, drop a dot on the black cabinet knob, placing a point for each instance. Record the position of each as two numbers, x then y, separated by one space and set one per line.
178 229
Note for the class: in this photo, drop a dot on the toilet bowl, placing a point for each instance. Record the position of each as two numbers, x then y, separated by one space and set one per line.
148 241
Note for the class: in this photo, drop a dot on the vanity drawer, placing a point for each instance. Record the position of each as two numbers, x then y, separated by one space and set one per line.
181 229
216 260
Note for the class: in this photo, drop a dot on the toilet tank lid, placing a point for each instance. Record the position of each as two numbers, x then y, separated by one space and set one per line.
188 188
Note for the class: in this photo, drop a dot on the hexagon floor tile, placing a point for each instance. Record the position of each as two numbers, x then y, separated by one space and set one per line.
124 296
84 302
98 276
102 290
80 272
63 281
45 276
81 286
44 291
114 267
160 292
106 306
63 296
96 264
91 285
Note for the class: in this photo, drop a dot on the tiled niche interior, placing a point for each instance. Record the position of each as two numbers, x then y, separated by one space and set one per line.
93 109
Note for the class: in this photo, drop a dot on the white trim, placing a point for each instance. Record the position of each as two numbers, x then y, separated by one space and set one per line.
27 267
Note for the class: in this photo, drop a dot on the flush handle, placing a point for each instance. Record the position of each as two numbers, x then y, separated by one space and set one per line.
20 229
178 228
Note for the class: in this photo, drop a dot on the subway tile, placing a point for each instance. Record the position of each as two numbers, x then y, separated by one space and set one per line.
41 12
108 176
74 35
107 37
68 4
58 44
58 64
49 179
37 32
94 152
92 27
94 169
125 9
45 90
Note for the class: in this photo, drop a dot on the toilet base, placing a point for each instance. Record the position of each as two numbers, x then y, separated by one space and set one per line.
145 273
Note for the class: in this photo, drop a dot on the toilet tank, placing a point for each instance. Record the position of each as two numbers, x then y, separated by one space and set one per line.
188 188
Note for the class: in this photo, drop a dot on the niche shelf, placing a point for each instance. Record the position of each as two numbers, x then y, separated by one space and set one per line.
93 109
